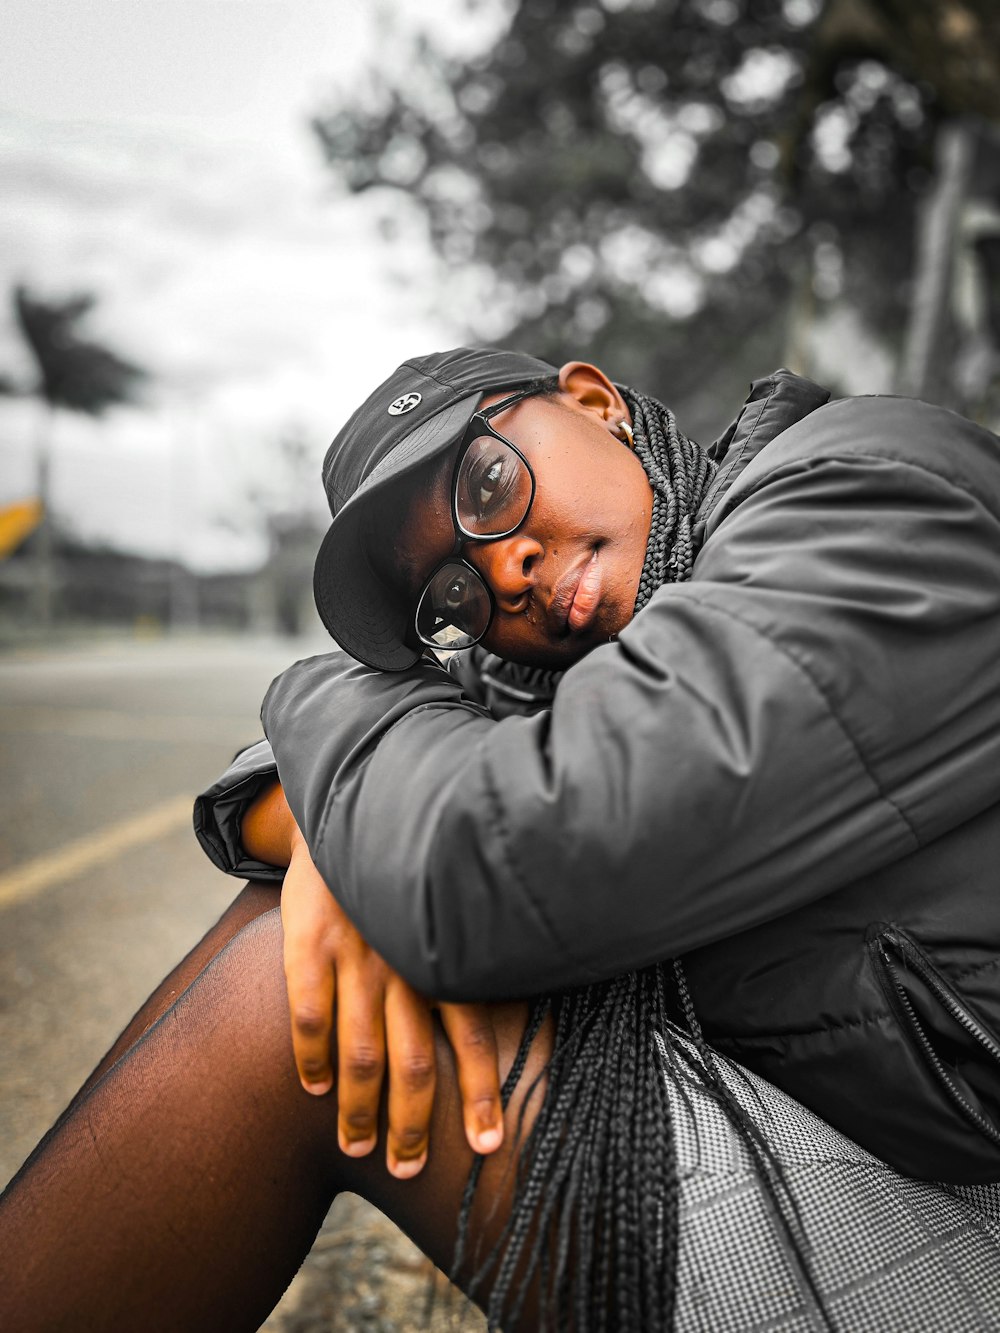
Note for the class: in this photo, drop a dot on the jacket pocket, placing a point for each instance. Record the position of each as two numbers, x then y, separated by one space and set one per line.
959 1048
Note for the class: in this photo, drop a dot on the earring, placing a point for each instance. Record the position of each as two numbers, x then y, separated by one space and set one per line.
625 433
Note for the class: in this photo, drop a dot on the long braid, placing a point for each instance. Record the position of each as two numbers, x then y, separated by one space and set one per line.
679 472
597 1174
582 1151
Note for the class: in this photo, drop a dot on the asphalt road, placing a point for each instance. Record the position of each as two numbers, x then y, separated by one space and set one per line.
103 888
102 885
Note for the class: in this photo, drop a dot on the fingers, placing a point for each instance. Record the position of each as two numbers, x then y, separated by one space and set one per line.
324 954
412 1068
470 1031
360 1054
309 978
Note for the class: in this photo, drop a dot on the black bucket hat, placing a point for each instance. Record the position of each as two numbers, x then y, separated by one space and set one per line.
420 411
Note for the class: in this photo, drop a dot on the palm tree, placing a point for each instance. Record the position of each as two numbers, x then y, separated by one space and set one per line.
73 372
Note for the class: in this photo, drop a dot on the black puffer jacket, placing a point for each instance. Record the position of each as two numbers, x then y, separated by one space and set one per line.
786 770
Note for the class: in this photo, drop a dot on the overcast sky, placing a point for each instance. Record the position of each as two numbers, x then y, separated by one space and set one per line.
156 153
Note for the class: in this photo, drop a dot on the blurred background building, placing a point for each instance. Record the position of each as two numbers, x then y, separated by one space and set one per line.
223 223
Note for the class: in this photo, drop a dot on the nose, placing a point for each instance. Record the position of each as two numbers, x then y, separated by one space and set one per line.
509 567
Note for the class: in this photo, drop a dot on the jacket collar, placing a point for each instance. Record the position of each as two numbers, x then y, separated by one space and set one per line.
773 404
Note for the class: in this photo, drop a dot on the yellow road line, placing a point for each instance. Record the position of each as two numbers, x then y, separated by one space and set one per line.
83 854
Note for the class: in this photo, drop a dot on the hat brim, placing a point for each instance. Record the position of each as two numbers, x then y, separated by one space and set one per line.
366 615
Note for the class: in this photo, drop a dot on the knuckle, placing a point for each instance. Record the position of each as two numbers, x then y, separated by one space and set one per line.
417 1071
363 1064
311 1020
478 1038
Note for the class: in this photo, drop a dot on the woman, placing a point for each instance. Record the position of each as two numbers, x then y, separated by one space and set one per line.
764 769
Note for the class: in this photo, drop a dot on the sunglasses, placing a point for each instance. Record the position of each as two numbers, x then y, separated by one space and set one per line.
491 493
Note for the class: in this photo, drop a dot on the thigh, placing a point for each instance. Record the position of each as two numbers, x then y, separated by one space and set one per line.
184 1189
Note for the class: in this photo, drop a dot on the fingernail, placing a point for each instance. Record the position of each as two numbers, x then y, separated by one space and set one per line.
318 1089
357 1147
488 1140
406 1170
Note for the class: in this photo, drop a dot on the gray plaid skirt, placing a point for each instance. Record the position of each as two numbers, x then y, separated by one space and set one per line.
887 1254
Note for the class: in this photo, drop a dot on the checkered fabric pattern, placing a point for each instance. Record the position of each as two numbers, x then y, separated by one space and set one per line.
888 1254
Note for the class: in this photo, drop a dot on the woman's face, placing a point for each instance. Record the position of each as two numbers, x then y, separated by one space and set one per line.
567 579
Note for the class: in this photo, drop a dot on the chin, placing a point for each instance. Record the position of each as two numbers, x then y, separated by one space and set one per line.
549 656
557 654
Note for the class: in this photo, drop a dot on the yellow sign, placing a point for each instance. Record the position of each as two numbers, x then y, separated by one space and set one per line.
18 521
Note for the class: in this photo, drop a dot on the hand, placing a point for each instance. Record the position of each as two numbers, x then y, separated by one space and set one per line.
327 959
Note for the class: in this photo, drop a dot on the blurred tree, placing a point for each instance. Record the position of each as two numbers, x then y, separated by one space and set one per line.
675 187
954 44
953 48
75 373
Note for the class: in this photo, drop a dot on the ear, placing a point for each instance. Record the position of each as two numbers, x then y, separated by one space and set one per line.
593 391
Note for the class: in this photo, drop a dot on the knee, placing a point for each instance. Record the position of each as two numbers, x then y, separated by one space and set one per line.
247 977
258 942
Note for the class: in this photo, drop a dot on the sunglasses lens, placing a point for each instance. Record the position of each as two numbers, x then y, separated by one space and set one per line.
493 488
455 608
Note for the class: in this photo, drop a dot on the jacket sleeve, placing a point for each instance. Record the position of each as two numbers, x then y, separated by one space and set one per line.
219 810
818 701
218 813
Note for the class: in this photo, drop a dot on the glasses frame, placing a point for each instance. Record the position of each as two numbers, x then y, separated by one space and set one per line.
479 425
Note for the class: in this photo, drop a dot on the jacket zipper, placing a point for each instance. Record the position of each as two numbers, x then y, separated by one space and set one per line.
904 948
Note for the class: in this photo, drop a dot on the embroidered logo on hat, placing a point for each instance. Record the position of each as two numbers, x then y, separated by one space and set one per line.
405 403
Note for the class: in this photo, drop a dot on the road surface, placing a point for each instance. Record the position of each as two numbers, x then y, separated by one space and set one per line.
103 888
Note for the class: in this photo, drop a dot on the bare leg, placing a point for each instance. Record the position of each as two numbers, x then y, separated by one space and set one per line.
184 1189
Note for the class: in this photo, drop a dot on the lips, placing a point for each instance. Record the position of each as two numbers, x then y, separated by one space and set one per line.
577 594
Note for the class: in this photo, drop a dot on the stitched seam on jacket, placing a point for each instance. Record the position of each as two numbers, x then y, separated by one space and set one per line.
790 656
753 429
724 478
760 1039
952 483
972 970
516 873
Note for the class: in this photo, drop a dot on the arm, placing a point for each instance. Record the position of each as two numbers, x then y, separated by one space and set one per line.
268 831
379 1018
249 788
246 828
757 737
219 812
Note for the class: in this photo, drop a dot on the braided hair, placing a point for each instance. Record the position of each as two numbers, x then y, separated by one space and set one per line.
593 1226
680 473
